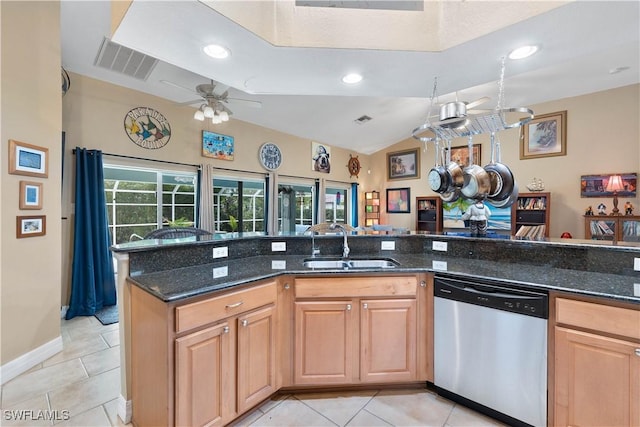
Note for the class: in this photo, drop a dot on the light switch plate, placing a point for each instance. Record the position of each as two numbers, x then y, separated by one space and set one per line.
636 289
221 252
439 246
278 246
439 265
388 245
636 264
220 272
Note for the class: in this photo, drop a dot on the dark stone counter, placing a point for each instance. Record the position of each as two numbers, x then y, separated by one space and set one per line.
174 270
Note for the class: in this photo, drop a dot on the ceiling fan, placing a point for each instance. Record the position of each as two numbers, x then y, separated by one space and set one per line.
449 111
213 103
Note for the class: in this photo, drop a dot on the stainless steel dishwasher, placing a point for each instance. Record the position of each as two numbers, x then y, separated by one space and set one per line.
490 348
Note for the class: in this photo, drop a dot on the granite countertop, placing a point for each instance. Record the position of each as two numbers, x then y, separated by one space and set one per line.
181 283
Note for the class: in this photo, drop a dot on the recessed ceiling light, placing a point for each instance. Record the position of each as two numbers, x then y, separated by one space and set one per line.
523 52
352 78
216 51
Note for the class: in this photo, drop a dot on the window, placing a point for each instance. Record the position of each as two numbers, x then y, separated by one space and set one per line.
295 207
234 213
142 200
335 201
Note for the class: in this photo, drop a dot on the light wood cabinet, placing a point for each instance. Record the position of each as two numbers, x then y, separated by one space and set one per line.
203 362
359 330
597 365
203 377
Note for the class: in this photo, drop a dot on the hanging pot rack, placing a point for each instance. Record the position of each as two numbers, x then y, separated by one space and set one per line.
468 125
472 124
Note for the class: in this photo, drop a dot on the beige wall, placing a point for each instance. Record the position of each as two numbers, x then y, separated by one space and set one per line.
93 117
602 137
30 112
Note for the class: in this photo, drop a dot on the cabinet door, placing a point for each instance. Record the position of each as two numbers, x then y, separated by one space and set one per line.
203 377
256 357
324 342
597 380
388 340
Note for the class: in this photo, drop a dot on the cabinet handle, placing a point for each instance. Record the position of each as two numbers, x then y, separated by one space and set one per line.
348 307
225 330
234 305
637 351
245 322
423 283
286 286
365 306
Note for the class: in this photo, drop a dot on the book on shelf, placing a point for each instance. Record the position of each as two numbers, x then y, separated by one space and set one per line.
604 227
532 203
531 231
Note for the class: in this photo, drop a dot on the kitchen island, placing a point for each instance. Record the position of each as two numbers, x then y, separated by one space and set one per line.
167 278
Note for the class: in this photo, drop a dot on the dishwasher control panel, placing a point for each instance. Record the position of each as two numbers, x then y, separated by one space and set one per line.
497 296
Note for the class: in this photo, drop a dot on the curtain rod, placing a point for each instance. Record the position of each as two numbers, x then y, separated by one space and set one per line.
145 159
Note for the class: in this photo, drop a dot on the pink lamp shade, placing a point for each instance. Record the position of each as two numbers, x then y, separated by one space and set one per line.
614 183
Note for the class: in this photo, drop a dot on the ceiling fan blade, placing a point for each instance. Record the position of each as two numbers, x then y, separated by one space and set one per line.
477 102
195 101
245 102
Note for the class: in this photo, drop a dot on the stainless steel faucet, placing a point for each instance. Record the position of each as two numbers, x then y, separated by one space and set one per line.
345 245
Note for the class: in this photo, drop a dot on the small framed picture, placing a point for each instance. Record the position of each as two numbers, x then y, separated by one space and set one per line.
460 155
27 159
399 200
217 145
544 136
31 226
30 195
403 164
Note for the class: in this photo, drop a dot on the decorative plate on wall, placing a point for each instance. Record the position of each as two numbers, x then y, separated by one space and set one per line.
270 156
147 128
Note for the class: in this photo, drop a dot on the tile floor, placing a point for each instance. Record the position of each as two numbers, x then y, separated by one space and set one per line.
84 379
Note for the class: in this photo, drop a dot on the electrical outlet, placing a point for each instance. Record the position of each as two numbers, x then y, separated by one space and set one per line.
636 264
221 252
220 272
439 246
388 245
439 265
278 264
278 246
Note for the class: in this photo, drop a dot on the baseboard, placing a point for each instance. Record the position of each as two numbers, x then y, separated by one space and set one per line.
124 410
22 364
63 311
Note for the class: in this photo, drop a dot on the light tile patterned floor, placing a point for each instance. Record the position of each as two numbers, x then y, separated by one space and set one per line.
84 379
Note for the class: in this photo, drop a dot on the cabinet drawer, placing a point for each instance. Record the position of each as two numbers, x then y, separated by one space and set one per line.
354 287
613 320
210 310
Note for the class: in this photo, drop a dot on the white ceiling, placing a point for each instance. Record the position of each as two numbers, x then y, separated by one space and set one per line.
300 88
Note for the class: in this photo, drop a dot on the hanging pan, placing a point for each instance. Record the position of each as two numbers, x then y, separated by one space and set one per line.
500 175
476 180
438 177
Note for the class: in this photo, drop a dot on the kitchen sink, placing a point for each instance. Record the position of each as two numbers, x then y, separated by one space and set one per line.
346 264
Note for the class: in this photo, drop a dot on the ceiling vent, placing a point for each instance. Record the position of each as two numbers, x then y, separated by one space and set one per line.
120 59
362 119
411 5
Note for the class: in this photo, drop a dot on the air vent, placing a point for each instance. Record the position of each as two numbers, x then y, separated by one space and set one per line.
120 59
411 5
362 119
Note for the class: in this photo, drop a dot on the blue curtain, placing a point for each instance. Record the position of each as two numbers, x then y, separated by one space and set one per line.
92 282
354 204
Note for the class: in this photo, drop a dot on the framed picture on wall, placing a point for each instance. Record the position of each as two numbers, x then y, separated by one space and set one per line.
31 226
403 164
544 136
217 146
399 200
460 155
30 195
28 159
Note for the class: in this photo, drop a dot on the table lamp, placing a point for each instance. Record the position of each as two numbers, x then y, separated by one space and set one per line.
614 185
